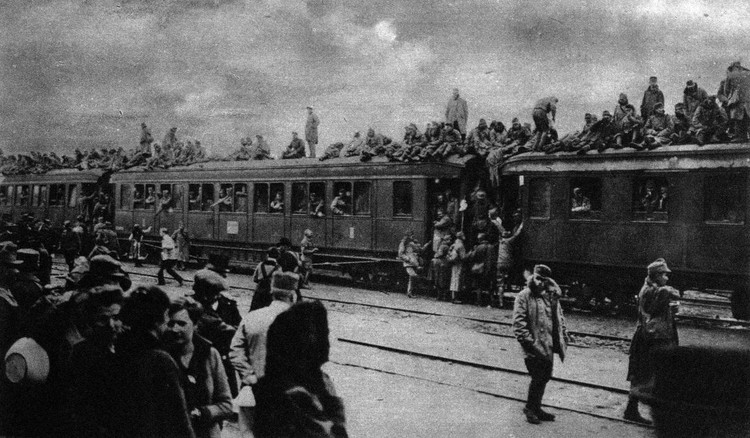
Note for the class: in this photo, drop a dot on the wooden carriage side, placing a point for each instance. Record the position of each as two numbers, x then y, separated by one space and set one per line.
700 225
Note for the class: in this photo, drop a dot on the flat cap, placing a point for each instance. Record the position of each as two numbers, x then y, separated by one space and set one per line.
543 271
658 266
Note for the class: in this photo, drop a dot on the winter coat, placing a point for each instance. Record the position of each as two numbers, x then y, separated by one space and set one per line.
659 123
311 128
709 117
651 97
457 111
692 99
737 91
539 335
654 313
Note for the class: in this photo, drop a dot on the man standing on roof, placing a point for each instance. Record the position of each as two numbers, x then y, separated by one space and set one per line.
651 97
457 112
311 130
544 110
737 92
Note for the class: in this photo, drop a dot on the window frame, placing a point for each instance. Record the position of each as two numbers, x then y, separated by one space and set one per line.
410 214
591 215
355 210
740 179
548 198
639 184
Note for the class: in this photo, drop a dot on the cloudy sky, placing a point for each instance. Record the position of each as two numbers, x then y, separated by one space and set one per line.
86 73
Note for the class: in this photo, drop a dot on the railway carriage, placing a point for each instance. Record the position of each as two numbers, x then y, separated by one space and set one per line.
598 219
55 195
359 211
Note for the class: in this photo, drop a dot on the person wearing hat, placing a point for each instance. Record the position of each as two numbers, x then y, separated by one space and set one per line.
544 111
736 89
651 97
692 97
220 318
296 148
104 270
681 126
457 111
517 136
505 251
168 258
539 326
262 278
658 128
481 267
248 350
288 260
655 329
70 245
307 249
601 135
311 130
710 122
146 140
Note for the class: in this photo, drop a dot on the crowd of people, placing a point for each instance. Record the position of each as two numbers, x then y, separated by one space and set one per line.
699 118
100 356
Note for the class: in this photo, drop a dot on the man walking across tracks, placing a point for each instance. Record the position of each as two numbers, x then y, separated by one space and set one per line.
311 130
539 327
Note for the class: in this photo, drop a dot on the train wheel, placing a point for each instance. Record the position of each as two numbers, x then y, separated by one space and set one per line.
740 303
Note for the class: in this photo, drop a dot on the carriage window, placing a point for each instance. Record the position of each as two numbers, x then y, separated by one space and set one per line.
724 198
73 195
585 198
240 198
225 201
22 195
362 198
139 196
149 200
650 196
539 198
402 198
299 198
207 197
36 198
5 195
342 199
317 199
194 200
277 201
167 197
261 198
126 199
57 195
43 195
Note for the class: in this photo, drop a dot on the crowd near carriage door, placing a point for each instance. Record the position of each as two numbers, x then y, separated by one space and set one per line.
309 210
201 202
231 205
270 207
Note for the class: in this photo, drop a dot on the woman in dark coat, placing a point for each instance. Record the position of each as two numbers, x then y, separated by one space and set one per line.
295 398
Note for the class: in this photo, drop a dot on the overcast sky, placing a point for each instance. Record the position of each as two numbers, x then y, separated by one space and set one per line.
87 73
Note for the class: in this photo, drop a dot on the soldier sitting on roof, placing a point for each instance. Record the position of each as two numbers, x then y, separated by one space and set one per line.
601 135
355 146
572 142
260 149
682 128
296 148
479 141
658 127
629 128
710 122
332 151
518 136
373 146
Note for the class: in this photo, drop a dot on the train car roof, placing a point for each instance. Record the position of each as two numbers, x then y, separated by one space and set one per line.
57 175
666 158
301 168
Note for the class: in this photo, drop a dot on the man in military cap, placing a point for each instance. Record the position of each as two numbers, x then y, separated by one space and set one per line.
692 97
544 111
737 92
681 125
311 130
710 122
146 140
651 97
479 141
658 128
539 326
296 148
70 245
457 111
220 318
655 329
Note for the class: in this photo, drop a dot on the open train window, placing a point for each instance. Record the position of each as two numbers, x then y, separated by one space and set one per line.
73 195
42 200
194 198
402 196
126 196
240 198
650 199
539 198
149 200
225 201
342 199
362 198
37 200
724 198
22 196
207 197
276 205
317 199
5 195
261 198
57 195
299 198
168 197
585 198
139 196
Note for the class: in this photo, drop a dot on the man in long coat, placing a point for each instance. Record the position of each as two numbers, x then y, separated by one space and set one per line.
651 97
311 130
737 92
457 111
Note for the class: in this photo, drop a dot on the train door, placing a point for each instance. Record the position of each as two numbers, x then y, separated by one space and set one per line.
200 216
399 210
270 207
351 214
124 209
168 206
309 211
232 211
